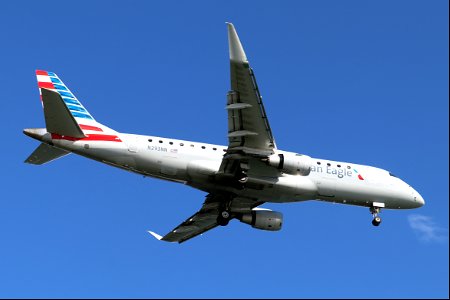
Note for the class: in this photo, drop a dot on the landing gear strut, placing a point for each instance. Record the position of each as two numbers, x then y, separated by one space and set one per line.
376 218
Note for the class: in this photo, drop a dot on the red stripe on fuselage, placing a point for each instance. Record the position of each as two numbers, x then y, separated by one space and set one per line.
88 127
102 137
47 85
40 72
89 137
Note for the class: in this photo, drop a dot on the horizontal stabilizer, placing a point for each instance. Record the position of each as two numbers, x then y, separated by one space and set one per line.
58 117
44 154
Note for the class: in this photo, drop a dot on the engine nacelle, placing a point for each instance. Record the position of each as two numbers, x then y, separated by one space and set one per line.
291 164
263 219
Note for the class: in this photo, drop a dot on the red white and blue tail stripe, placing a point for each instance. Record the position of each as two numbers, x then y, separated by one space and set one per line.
51 81
92 130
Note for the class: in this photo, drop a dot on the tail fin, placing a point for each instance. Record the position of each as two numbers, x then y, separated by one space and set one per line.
65 119
58 117
64 113
50 81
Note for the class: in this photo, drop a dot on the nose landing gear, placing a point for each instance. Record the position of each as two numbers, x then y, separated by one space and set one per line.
374 210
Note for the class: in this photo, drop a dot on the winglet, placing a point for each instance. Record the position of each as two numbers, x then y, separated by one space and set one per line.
237 53
155 235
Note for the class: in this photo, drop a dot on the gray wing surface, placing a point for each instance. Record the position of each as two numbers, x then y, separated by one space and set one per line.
250 138
202 221
45 153
206 218
248 127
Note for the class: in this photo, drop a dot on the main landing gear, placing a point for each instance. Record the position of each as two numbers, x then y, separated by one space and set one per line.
376 218
224 218
243 178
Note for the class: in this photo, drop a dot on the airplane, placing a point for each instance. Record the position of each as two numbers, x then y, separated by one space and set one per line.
237 178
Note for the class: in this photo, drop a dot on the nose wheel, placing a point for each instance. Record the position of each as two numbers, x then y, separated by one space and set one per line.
376 221
376 218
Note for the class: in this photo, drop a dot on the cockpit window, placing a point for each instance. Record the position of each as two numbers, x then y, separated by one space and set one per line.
392 175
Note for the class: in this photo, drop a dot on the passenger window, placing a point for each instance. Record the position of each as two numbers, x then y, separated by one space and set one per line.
328 164
192 145
150 140
160 141
338 166
181 144
203 147
318 162
171 143
348 167
214 149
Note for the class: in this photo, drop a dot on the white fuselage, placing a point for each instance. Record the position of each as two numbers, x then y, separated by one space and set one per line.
195 164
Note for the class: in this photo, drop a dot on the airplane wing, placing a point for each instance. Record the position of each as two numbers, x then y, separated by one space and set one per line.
206 218
250 140
248 127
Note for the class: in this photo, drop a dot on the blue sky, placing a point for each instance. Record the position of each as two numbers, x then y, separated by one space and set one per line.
357 81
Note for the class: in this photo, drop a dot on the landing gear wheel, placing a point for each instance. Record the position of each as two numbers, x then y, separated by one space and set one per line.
243 180
376 221
223 218
225 215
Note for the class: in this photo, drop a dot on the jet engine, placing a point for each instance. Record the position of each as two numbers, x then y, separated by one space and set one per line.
263 219
291 164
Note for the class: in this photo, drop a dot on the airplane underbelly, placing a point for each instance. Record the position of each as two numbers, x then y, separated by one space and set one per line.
164 165
326 188
280 189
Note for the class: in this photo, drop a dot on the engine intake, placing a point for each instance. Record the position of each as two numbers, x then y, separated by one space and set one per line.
263 219
291 164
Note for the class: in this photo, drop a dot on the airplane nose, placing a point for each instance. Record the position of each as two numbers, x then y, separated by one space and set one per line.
421 200
418 199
